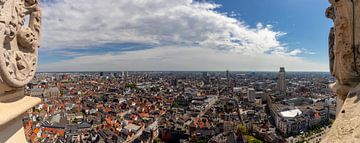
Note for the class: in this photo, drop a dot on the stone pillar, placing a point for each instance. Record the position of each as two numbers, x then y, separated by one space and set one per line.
344 55
13 106
341 92
18 61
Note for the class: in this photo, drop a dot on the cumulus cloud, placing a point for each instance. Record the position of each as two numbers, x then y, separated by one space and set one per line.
181 58
69 23
295 52
190 27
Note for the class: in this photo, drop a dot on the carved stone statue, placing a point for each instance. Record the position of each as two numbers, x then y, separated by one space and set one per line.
18 56
344 55
20 22
344 60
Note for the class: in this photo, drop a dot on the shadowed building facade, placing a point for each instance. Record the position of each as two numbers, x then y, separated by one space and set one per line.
281 84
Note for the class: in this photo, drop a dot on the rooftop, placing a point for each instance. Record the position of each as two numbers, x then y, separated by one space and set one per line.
290 113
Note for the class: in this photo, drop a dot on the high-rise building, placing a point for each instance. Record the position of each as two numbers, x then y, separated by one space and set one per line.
206 78
251 94
227 74
281 84
205 75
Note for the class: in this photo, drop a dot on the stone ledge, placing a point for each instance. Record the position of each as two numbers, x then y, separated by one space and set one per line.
347 124
11 110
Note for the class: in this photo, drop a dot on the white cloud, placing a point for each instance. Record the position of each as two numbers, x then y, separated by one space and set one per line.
166 23
295 52
69 23
182 58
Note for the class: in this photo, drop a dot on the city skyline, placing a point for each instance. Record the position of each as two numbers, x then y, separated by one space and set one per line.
179 71
180 107
183 35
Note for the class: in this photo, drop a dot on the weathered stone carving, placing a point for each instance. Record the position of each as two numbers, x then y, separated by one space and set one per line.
344 62
20 34
344 54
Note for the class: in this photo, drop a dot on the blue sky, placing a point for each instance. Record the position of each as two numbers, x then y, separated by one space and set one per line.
259 35
304 21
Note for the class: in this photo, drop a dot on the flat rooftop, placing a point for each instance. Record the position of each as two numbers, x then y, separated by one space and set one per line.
290 113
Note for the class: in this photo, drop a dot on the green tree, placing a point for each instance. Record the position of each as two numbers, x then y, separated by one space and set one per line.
252 139
175 104
75 121
131 85
242 129
157 140
201 141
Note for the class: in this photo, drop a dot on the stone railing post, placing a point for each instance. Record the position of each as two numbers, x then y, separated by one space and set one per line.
18 61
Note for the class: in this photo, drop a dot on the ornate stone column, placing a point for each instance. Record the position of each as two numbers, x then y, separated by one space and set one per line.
344 53
18 61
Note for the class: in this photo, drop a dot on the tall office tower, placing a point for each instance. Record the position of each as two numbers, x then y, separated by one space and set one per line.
227 74
251 94
205 75
281 85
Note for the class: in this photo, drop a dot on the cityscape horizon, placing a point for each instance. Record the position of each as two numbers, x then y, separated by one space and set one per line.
177 71
180 107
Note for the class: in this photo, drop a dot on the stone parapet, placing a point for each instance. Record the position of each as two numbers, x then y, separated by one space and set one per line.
346 127
20 41
13 106
344 55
